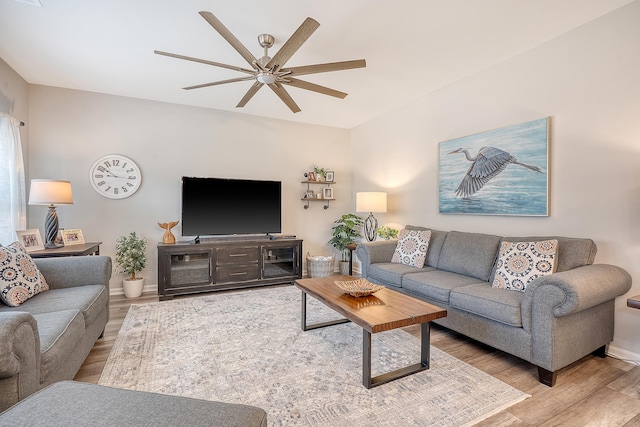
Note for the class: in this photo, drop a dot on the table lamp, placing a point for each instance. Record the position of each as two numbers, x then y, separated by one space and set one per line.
50 192
372 201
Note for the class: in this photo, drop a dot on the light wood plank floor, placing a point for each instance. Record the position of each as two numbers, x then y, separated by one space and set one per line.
592 391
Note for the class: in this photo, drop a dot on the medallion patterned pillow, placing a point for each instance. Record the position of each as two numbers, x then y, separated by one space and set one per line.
412 247
20 279
520 263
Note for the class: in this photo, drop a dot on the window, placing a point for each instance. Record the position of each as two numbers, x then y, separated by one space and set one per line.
12 191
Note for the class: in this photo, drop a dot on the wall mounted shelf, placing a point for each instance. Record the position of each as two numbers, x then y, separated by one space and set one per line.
308 200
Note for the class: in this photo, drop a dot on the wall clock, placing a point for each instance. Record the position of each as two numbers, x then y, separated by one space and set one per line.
115 176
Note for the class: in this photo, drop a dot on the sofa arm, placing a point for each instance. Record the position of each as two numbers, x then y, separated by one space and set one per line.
577 289
67 272
19 357
372 252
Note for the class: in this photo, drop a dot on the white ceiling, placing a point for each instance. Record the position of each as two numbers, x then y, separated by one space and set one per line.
412 47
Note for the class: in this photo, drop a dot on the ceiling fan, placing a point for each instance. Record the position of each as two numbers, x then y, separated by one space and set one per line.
271 71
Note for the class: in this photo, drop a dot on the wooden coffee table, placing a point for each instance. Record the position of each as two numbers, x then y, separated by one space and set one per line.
383 311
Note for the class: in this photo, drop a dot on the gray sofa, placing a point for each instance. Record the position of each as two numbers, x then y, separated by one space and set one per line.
48 337
559 319
70 403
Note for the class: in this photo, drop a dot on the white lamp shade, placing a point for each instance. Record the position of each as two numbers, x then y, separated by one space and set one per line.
371 201
50 192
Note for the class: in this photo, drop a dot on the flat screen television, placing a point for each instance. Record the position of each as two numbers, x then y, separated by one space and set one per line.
217 206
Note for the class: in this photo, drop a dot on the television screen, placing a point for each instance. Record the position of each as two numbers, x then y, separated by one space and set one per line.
215 206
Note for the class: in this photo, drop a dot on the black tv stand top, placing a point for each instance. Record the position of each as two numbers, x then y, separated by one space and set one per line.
240 237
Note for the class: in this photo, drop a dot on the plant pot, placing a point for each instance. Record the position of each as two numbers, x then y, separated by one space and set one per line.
344 267
133 287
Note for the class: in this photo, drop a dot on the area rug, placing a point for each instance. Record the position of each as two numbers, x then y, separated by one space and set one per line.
247 347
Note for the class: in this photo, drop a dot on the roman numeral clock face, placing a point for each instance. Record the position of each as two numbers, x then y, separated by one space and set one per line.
115 176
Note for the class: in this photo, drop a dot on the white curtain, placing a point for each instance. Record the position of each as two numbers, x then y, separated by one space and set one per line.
13 206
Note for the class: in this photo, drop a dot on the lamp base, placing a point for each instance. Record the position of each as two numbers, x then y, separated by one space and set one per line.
370 227
51 228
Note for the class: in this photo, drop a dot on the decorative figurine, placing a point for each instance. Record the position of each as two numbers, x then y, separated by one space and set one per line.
168 238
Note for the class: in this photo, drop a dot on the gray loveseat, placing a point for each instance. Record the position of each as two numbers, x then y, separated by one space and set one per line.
559 319
48 337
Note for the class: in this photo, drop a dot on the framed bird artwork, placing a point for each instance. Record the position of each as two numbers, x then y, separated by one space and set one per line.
498 172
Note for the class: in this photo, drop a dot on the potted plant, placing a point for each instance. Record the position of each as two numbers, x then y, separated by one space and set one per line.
386 232
321 173
131 257
344 233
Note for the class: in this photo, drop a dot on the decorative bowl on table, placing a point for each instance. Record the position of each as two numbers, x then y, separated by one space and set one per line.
359 287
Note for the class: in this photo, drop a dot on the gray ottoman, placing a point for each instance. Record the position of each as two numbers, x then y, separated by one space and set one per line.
70 403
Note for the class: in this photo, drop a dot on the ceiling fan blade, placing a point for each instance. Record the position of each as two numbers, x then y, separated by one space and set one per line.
294 42
323 68
252 91
314 87
221 82
285 97
229 37
203 61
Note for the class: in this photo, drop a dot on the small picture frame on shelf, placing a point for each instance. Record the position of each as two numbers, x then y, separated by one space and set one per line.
310 194
311 176
327 193
30 239
330 176
72 237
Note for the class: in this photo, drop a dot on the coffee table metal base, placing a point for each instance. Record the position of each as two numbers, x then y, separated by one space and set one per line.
367 380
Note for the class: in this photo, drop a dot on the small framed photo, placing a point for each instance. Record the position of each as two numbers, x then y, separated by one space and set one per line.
311 176
30 239
72 237
330 176
327 193
310 194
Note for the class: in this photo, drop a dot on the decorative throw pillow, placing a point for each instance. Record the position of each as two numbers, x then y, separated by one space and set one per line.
20 279
412 247
520 263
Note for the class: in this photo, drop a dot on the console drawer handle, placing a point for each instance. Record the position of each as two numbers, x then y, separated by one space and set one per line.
237 255
238 274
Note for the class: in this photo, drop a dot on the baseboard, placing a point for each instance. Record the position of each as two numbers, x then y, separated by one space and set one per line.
622 354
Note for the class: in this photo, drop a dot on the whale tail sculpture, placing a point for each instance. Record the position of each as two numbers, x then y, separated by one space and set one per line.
168 238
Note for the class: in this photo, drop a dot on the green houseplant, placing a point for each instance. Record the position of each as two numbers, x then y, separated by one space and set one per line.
386 232
131 257
345 232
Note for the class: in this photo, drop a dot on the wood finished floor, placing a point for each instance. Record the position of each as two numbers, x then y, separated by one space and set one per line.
592 391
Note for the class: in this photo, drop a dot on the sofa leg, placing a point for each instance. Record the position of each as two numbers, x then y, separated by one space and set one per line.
601 352
547 377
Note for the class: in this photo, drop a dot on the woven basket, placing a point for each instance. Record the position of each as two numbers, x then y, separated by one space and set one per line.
320 266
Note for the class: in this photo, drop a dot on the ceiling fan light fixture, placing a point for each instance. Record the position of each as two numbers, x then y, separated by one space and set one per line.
266 78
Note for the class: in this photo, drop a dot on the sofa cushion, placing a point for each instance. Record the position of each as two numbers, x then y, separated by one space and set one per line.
520 263
412 247
20 279
469 254
493 303
89 299
435 284
70 403
60 332
390 273
435 244
572 252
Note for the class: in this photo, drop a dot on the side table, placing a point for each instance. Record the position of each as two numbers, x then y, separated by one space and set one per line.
634 302
92 248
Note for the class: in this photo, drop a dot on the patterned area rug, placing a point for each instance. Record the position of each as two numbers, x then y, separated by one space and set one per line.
247 347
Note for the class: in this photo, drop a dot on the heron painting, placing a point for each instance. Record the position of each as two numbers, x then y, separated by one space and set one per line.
498 172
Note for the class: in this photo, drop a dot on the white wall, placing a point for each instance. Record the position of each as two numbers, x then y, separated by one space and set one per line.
71 129
587 81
